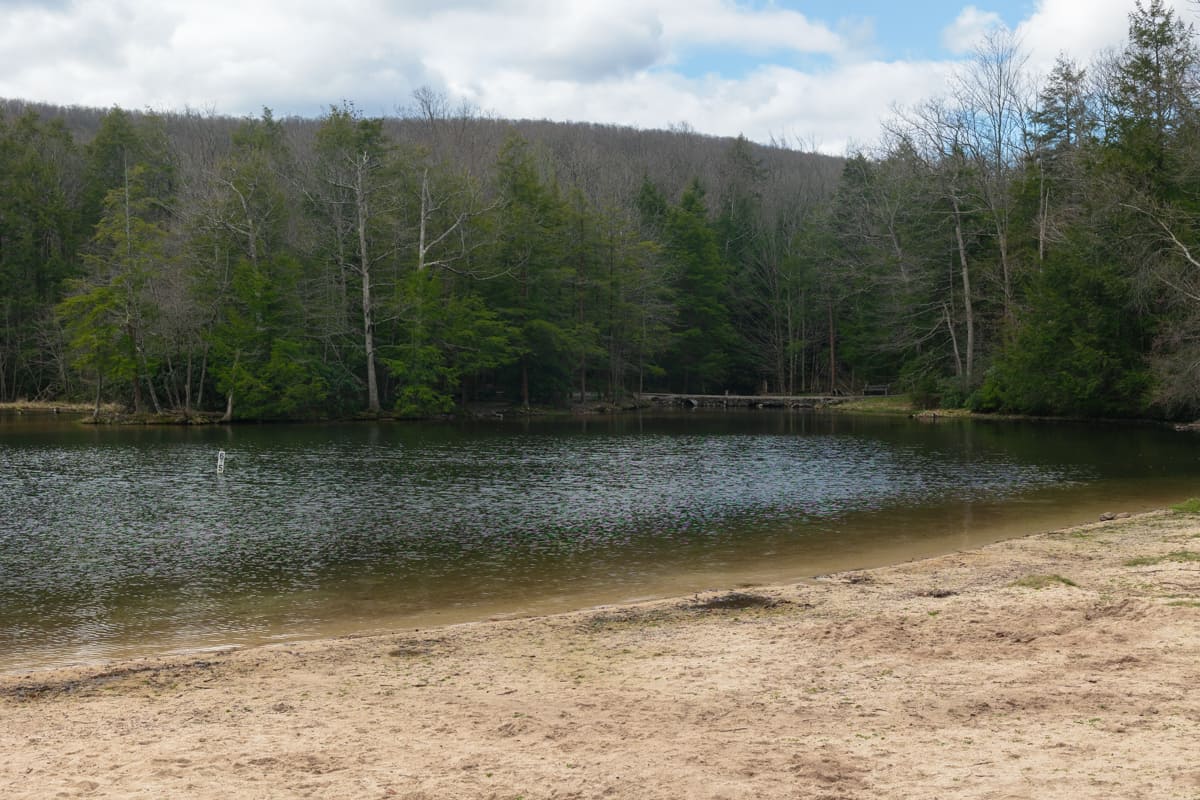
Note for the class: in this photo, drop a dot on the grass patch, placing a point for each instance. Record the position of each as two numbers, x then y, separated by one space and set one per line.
1179 556
1042 582
1192 505
883 404
49 407
1185 603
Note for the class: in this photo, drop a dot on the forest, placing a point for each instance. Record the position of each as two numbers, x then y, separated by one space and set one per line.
1020 244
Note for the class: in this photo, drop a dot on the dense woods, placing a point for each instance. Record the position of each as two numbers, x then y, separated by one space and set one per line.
1021 243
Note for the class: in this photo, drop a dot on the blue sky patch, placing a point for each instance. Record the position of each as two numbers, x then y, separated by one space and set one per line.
897 31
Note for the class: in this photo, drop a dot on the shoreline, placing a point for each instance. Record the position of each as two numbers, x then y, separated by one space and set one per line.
896 405
1059 664
114 414
985 529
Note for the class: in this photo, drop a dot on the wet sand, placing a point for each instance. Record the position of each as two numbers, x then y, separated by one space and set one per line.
1063 665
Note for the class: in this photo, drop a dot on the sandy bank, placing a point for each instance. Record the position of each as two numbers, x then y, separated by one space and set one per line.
955 676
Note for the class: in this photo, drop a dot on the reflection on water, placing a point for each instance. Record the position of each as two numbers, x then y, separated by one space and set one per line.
126 540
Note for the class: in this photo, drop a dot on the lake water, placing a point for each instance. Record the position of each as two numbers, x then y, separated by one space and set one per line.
119 541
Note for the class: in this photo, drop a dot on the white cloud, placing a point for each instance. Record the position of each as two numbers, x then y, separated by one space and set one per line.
607 61
716 22
829 110
611 61
1079 28
971 25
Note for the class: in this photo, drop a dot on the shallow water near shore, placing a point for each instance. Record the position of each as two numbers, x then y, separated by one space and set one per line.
117 542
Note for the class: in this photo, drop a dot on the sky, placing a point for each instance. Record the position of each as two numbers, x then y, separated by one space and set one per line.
814 74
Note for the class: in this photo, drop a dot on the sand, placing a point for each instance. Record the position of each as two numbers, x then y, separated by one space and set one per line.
965 675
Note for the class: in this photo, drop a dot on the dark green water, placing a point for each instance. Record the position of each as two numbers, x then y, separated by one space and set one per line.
121 541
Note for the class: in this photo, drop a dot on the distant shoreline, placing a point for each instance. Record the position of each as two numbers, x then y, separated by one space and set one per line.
884 406
113 414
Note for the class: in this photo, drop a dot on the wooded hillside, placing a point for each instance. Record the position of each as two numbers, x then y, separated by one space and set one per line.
1015 245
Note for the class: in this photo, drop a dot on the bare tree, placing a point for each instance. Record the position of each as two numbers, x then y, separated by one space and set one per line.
356 190
931 137
992 99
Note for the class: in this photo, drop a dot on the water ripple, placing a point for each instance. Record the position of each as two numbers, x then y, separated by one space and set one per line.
107 534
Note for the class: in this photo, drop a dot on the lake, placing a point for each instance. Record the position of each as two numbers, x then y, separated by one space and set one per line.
123 541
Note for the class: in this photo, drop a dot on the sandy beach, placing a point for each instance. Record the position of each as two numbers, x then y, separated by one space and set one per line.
1062 664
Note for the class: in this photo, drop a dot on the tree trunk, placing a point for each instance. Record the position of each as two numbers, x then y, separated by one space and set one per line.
641 356
137 394
203 375
958 365
228 416
832 350
187 386
525 383
153 397
360 198
1043 211
803 338
149 383
424 214
968 308
1005 272
789 356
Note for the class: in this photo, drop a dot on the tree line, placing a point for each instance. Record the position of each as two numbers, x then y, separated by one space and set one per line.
1030 244
1018 244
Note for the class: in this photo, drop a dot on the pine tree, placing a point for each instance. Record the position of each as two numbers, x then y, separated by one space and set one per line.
1154 95
705 339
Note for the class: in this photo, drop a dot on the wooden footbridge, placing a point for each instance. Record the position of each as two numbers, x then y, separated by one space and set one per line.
665 400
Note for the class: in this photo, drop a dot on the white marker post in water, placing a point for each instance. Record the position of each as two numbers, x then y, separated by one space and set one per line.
220 461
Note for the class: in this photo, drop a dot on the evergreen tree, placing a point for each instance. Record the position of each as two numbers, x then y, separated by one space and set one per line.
1063 119
110 313
1080 350
705 339
261 358
121 143
1154 94
531 249
40 234
446 340
358 173
241 247
638 303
